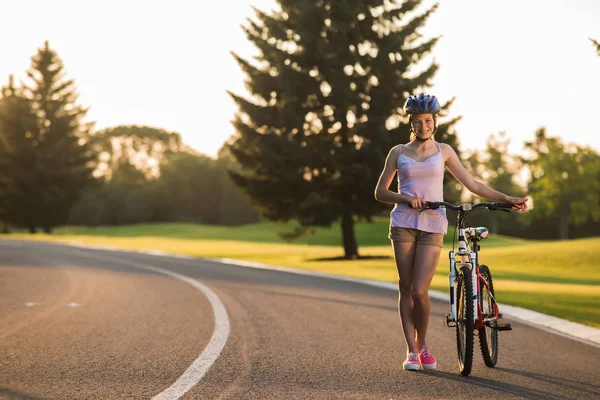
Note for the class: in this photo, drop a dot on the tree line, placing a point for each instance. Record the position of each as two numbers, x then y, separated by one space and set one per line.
147 174
324 109
563 183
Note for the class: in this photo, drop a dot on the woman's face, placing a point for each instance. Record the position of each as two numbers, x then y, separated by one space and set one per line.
423 125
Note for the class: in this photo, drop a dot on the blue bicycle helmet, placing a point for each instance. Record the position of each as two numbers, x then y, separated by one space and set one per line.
421 104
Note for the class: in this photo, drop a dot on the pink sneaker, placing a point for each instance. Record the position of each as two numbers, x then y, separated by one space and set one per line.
412 362
427 359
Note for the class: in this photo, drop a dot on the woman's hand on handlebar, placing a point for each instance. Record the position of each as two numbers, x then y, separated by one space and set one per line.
416 202
519 203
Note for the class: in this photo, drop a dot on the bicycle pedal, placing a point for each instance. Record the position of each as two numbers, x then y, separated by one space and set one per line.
504 327
448 321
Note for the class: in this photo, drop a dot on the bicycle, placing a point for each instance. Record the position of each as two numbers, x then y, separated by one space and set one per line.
469 280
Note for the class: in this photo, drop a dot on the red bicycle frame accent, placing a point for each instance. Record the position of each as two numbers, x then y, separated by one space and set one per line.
480 320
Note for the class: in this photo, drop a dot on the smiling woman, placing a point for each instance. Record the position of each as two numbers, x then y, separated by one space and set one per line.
416 232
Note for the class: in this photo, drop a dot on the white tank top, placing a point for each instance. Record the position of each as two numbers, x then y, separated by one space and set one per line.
424 179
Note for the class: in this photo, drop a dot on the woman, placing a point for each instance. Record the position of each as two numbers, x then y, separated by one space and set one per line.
417 237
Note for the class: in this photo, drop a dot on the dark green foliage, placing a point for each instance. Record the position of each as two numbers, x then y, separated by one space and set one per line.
193 187
565 183
46 157
113 203
327 93
185 186
17 150
498 170
190 187
128 161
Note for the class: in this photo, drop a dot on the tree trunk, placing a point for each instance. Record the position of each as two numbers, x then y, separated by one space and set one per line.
48 230
32 229
349 239
564 228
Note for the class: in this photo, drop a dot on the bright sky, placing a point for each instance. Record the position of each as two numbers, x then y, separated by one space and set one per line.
513 65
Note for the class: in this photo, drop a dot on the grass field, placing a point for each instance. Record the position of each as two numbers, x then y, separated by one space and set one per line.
367 234
556 278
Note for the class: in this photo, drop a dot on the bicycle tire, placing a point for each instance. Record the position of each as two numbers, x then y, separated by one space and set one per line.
464 321
488 335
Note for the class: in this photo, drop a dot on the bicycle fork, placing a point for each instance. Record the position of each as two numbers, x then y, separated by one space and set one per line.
450 319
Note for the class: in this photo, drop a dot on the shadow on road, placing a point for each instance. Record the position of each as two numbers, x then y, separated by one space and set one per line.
9 394
516 390
582 386
507 388
239 288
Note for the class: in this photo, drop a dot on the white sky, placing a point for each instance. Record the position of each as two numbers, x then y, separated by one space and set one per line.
513 65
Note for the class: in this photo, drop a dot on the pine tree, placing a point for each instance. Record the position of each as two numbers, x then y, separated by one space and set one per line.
62 161
327 94
18 194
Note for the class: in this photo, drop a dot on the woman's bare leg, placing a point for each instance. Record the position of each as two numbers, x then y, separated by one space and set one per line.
404 253
426 260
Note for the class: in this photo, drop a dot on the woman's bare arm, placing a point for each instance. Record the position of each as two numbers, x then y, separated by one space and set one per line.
481 189
382 192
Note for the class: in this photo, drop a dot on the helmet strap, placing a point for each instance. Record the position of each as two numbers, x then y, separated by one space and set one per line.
423 140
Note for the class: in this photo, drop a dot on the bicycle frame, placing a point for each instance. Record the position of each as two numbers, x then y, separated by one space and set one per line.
472 264
455 266
476 278
471 278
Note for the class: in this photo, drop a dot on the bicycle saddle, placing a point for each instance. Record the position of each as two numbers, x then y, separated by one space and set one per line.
477 233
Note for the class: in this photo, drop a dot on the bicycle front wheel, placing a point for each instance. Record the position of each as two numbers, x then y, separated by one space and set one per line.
464 321
488 335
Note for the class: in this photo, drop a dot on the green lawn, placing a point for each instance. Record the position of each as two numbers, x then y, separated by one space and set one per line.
557 278
367 234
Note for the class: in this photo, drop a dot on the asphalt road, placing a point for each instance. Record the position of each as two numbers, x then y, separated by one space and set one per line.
91 324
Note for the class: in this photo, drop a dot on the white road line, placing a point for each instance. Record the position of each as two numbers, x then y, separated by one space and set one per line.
196 371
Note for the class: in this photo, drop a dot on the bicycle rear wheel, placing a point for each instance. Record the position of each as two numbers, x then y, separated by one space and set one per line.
488 335
464 321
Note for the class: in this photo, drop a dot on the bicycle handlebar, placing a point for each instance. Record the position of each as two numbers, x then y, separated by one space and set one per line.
468 207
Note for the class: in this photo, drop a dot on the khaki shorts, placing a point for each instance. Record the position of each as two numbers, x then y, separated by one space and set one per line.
415 235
